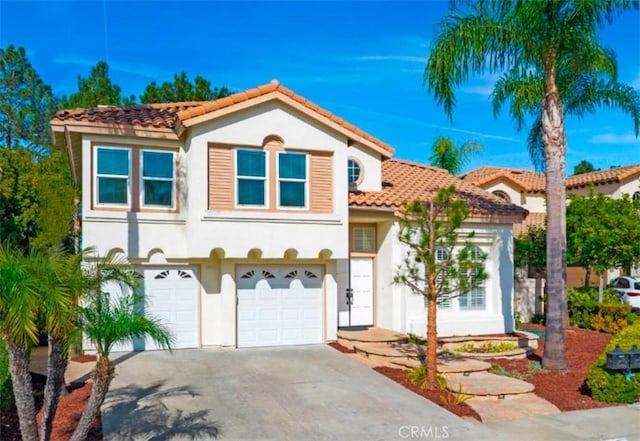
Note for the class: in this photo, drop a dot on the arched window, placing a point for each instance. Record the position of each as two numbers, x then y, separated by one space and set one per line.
502 195
636 196
354 170
476 298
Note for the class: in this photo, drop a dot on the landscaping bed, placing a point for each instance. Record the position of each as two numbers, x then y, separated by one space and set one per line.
567 391
69 410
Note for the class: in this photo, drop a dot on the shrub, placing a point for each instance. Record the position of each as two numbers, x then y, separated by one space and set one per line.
583 306
612 386
6 389
418 376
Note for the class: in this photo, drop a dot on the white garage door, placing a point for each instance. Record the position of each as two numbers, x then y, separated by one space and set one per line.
171 295
279 305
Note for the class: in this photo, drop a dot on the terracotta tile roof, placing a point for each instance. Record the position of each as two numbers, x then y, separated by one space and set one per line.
603 177
532 219
143 115
403 180
168 115
527 180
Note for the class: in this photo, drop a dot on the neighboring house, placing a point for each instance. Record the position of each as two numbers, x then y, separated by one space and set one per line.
260 219
518 186
527 189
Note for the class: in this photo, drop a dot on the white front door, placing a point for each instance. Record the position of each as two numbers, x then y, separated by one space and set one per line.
279 305
362 288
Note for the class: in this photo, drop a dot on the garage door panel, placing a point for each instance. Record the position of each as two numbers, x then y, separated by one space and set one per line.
283 309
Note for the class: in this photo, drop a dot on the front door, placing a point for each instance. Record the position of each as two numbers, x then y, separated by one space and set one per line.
362 289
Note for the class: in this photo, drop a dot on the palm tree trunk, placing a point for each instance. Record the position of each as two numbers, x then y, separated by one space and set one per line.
553 136
57 365
102 377
22 390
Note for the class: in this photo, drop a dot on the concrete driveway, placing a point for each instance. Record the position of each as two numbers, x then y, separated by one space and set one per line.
297 393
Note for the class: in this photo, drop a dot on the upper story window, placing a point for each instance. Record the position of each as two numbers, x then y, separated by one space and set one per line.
251 177
152 186
502 195
113 176
354 171
158 179
292 180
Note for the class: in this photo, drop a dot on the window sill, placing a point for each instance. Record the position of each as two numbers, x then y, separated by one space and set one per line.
143 217
288 217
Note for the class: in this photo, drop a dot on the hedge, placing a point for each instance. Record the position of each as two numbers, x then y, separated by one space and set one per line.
611 386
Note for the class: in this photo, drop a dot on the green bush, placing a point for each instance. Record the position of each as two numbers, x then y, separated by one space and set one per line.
418 376
611 386
6 390
583 308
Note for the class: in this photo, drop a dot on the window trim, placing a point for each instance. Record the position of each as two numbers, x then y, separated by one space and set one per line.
173 180
264 179
305 181
97 176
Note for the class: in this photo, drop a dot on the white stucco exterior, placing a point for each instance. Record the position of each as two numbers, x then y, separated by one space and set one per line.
216 242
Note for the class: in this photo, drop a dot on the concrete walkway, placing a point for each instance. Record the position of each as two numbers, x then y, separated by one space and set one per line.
298 393
620 423
76 372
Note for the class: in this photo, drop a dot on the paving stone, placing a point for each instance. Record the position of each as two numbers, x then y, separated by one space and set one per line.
485 383
371 335
493 410
448 366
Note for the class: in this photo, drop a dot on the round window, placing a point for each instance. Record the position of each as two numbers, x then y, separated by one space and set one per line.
355 171
502 195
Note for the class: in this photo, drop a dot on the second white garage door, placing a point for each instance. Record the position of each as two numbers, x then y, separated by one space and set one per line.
279 305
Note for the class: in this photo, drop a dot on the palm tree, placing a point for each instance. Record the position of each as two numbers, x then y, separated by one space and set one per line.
23 279
107 322
445 154
551 64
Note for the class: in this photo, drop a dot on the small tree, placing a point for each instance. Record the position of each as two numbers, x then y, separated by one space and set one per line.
107 322
437 266
602 233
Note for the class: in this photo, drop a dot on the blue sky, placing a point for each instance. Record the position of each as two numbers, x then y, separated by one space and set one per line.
363 61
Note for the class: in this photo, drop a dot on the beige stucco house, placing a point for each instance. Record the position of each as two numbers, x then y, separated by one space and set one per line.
261 219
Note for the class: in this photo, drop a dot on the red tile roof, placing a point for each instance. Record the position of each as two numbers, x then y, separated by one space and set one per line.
527 180
169 115
612 175
532 219
403 180
535 182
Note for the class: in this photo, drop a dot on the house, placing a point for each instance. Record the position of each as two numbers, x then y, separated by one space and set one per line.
260 219
527 189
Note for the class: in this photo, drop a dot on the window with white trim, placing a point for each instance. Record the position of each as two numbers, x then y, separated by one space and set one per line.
354 171
364 239
113 176
158 179
443 301
251 177
292 180
474 299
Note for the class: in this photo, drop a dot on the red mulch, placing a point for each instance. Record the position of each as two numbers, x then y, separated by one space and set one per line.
84 358
340 348
434 395
567 391
69 410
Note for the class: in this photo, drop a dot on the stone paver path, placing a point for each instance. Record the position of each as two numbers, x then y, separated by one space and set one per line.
486 383
493 410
